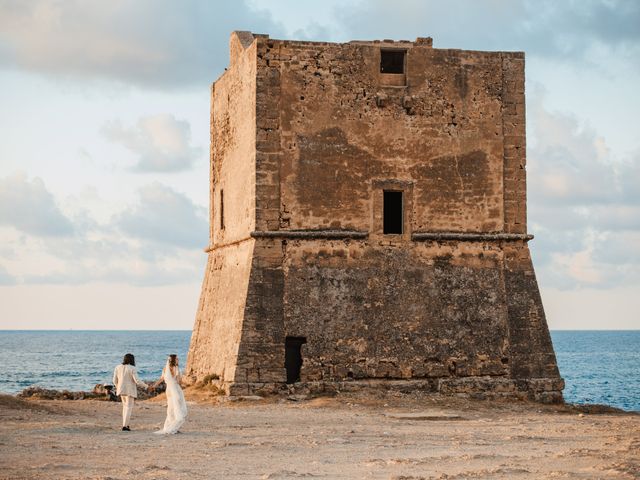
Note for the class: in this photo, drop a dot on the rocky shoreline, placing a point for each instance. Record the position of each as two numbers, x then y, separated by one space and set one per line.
104 392
100 392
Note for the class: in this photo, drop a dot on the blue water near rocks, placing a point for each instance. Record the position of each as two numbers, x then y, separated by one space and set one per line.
78 360
598 366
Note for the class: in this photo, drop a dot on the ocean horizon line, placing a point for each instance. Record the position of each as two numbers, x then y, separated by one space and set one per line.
94 330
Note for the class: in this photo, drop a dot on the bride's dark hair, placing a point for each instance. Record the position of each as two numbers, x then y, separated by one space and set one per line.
129 359
173 360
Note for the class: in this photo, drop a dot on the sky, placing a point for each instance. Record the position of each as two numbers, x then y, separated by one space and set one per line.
104 114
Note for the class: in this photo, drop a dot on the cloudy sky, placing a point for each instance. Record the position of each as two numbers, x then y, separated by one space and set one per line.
104 110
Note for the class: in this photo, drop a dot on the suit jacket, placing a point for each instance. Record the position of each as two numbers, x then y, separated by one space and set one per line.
125 379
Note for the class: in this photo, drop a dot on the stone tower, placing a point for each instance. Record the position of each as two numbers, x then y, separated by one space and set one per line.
368 223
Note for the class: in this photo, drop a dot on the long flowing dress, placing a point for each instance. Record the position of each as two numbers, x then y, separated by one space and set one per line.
176 405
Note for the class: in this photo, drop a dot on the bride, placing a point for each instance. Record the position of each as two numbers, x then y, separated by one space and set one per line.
176 405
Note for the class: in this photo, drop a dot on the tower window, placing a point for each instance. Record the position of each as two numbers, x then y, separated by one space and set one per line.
392 212
392 61
221 209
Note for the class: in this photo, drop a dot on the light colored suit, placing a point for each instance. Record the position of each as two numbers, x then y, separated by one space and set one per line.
125 379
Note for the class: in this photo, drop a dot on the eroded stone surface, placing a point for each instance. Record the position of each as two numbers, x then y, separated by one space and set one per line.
306 137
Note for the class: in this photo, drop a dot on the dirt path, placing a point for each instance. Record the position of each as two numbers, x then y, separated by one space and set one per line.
387 438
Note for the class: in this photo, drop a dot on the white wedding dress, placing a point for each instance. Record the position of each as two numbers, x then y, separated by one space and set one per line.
176 405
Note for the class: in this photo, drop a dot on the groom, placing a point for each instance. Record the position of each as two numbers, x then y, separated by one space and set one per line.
126 380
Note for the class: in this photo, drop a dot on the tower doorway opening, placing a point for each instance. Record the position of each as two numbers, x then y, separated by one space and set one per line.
293 357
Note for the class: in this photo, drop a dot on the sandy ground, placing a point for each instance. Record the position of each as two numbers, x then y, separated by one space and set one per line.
392 437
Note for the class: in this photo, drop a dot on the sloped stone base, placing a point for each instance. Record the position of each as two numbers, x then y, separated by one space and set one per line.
544 390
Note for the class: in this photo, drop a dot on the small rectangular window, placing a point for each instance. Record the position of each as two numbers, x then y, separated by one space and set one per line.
392 212
221 209
392 61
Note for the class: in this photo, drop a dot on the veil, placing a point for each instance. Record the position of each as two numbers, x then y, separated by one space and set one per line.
176 404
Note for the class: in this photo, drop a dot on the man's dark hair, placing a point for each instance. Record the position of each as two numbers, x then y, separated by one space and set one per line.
129 359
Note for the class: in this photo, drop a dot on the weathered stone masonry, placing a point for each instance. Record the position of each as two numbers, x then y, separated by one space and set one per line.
306 138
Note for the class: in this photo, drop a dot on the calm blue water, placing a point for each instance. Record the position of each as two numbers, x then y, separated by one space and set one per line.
598 366
77 360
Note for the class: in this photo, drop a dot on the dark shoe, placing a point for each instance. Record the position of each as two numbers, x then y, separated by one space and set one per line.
126 429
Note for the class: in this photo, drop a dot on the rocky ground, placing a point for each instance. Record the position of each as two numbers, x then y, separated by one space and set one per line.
392 436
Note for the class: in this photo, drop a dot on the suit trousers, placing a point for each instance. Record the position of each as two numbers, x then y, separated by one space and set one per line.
127 408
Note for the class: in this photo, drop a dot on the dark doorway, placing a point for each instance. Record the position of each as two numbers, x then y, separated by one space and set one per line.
392 61
392 212
293 357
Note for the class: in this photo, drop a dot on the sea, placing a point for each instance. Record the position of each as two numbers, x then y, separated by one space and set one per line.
600 367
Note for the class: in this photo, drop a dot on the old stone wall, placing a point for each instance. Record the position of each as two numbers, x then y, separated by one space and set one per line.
219 319
455 317
233 144
427 311
514 142
339 127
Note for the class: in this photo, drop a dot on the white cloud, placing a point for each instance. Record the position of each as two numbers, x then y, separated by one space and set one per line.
622 249
629 179
156 241
161 143
583 204
570 162
165 216
616 217
569 29
579 266
160 43
29 207
6 278
166 44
